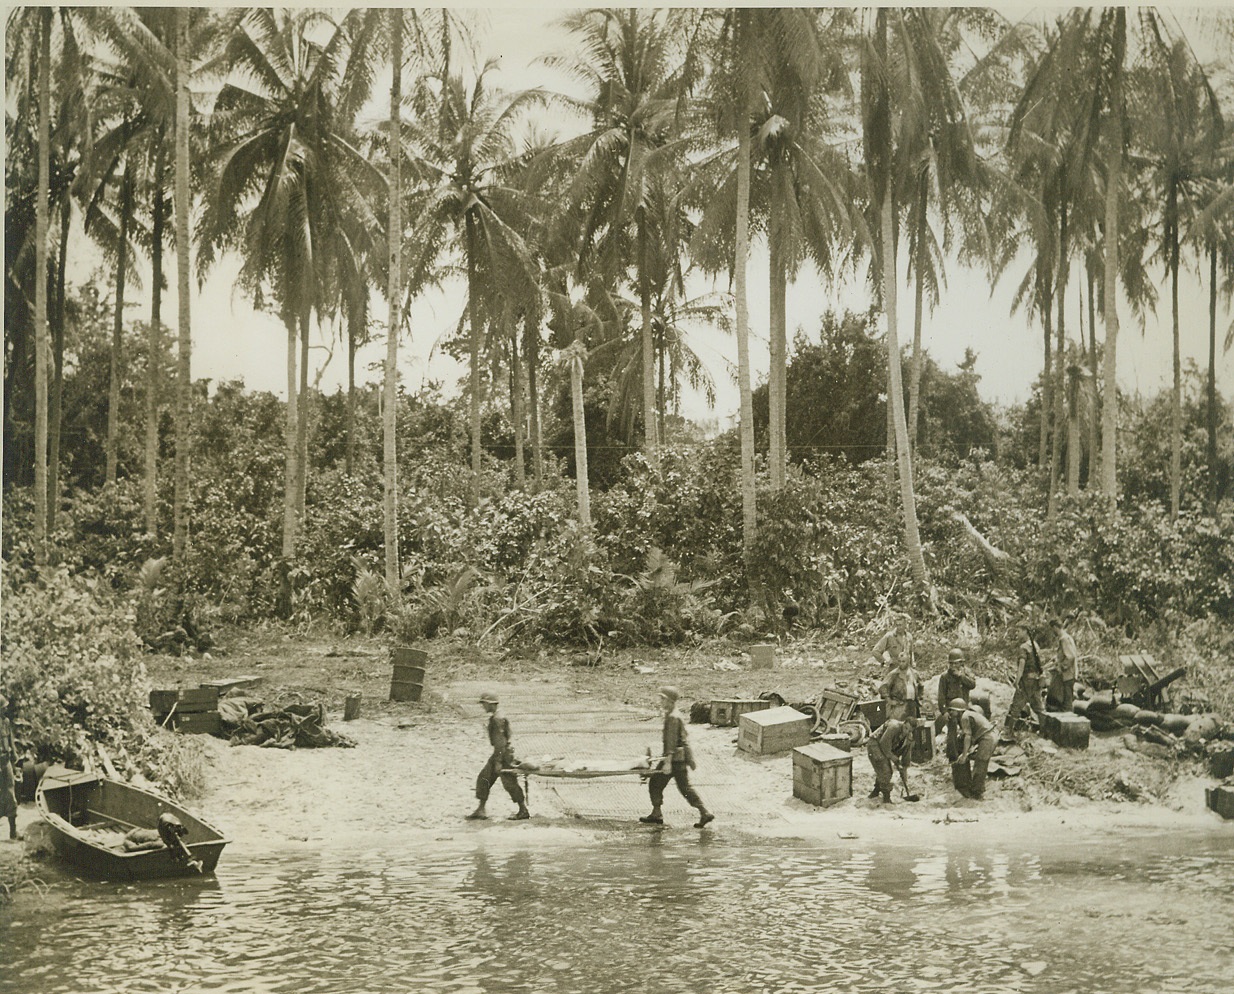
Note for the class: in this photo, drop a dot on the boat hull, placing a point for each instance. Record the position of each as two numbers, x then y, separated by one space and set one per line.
76 806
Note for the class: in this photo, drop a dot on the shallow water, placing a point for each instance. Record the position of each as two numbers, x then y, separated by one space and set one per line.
651 911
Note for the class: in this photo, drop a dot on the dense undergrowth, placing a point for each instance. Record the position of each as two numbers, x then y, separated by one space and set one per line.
661 566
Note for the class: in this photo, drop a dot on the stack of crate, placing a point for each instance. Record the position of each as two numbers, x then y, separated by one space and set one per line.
774 730
1066 729
188 710
726 712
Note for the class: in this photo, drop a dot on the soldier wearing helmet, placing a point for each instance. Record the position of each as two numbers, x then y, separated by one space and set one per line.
978 746
500 738
955 682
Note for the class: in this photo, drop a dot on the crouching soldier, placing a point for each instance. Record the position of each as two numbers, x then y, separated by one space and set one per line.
977 748
500 738
890 747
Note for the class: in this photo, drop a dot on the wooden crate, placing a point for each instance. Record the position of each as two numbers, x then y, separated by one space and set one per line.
229 683
773 730
187 700
1066 729
923 745
837 740
197 723
835 706
875 712
726 712
1221 800
822 774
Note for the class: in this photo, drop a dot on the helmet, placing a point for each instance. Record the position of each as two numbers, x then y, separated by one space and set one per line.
957 704
488 697
672 693
955 656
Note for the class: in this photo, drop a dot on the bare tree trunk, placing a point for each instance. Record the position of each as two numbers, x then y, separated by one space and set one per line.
473 291
749 512
292 452
914 381
1212 374
154 348
1073 431
908 498
516 402
356 320
184 340
650 435
575 357
1176 395
302 415
40 293
532 333
117 328
778 276
662 388
56 403
1047 390
1060 384
1094 415
394 249
1109 411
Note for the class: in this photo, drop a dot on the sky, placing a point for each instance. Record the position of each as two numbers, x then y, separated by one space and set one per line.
232 341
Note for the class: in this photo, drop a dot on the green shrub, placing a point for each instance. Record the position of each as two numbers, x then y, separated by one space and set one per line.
72 661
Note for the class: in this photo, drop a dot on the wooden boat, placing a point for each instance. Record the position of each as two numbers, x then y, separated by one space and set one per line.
89 816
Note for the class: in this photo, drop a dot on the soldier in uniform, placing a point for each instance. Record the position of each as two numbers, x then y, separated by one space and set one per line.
500 738
677 762
890 747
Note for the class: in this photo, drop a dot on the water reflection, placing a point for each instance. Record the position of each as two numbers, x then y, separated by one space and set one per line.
654 911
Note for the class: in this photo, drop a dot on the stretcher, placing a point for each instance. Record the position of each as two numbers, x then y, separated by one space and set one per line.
589 769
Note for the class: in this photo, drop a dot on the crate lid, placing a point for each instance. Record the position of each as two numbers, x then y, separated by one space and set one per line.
821 752
775 716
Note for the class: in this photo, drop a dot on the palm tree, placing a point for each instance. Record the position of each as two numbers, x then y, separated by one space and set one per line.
40 291
143 40
1184 128
638 70
749 49
907 91
467 156
288 172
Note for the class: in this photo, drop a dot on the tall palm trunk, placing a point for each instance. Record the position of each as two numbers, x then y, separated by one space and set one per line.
291 451
1073 430
749 512
302 415
1109 412
154 349
532 347
914 375
778 278
117 327
1212 373
574 356
1060 385
1047 375
40 293
1176 395
56 402
184 341
516 402
661 387
908 499
650 435
473 292
394 247
355 325
1094 413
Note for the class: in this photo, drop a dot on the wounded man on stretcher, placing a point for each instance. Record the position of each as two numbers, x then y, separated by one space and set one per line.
557 766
